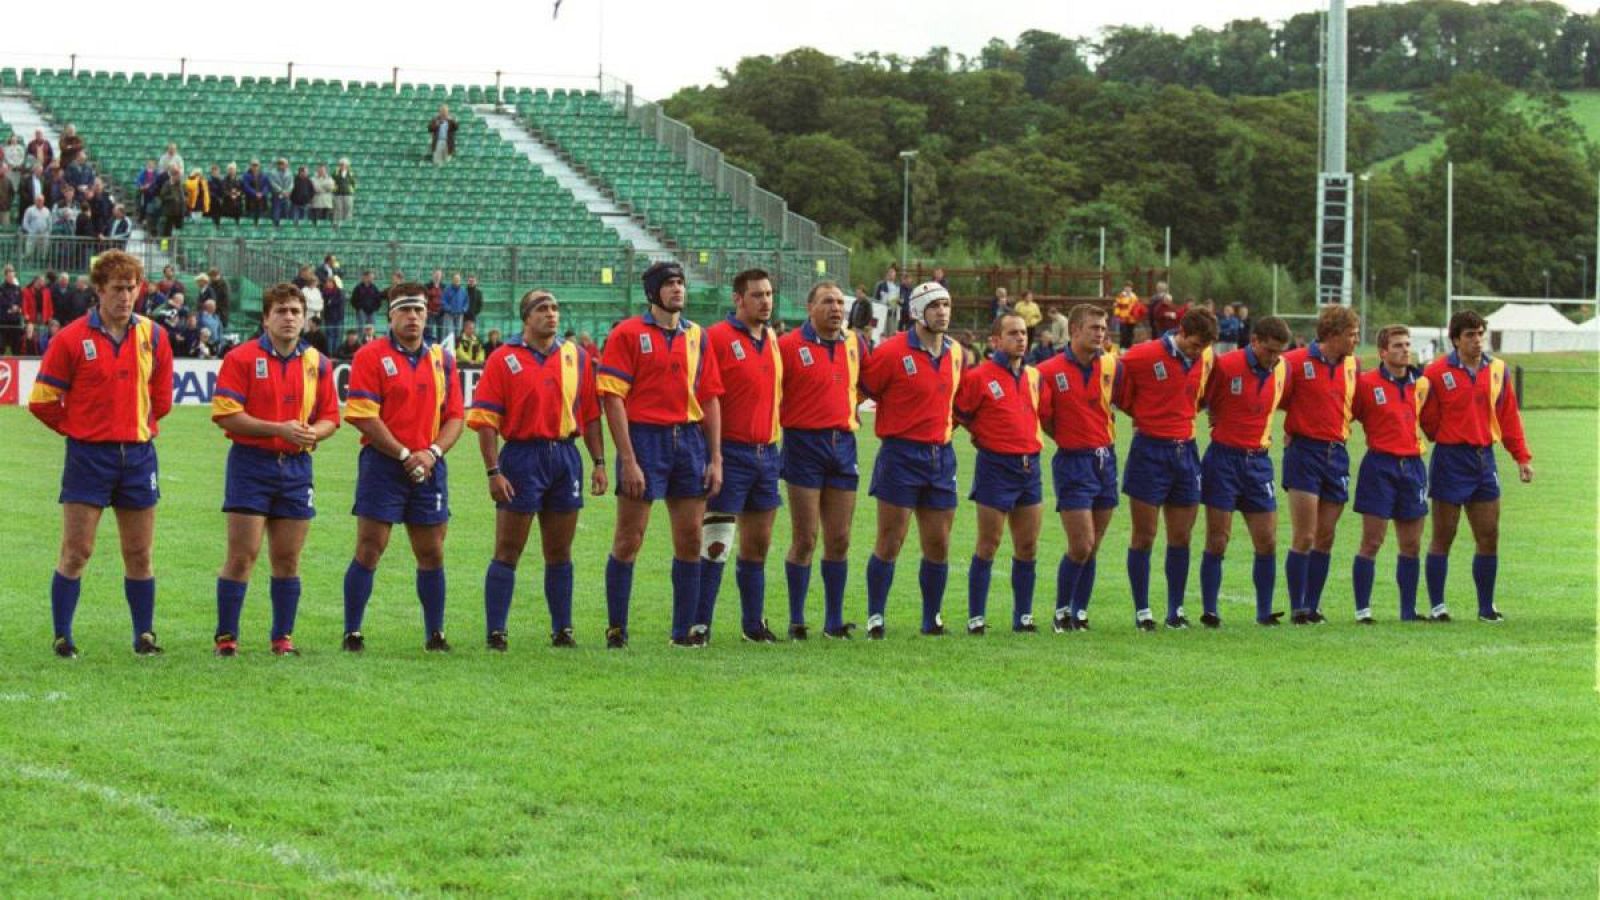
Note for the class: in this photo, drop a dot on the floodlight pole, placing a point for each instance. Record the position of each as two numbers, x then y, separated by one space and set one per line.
906 156
1449 240
1416 278
1596 240
1366 266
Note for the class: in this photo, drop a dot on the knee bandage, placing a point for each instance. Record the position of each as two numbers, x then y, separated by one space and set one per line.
716 537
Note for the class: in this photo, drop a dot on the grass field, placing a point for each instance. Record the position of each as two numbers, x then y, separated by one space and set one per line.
1395 760
1583 106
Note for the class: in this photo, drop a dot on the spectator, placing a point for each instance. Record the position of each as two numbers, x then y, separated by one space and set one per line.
1228 332
171 312
11 312
1245 323
36 227
185 335
368 332
314 334
97 198
80 174
1000 305
492 342
887 292
41 151
174 197
300 195
1153 308
906 286
8 195
314 300
442 130
1125 311
71 145
12 154
938 276
169 159
396 277
197 196
218 286
1044 349
214 190
329 268
1058 327
347 348
469 349
322 187
453 303
64 226
29 345
208 319
57 294
1029 311
48 334
146 183
366 298
257 191
87 231
227 196
333 308
474 298
206 345
433 291
73 303
280 182
344 192
590 347
55 184
861 311
168 285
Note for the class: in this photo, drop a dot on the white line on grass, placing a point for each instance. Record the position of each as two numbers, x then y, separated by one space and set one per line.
48 697
190 826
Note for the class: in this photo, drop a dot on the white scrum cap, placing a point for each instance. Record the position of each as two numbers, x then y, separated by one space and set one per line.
923 296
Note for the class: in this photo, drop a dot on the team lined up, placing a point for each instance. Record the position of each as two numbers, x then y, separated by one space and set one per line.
711 420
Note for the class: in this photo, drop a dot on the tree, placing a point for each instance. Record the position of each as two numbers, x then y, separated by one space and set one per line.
826 179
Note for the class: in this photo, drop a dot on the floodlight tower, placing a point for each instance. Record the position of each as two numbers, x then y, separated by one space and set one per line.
1334 195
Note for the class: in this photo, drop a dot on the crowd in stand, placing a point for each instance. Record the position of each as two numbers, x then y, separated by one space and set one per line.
169 199
52 192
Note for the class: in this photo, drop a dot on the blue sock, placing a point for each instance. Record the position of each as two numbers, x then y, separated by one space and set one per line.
706 593
1406 572
835 572
880 578
1265 575
1485 566
1024 572
619 589
1317 565
430 590
357 591
64 603
1085 587
1438 566
499 586
1210 581
1139 578
558 595
799 579
751 577
978 574
932 576
1294 570
685 595
1363 571
285 594
141 596
1177 578
1067 575
230 603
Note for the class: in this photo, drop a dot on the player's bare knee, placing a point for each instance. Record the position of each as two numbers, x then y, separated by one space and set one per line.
1487 543
1370 547
835 546
1265 546
987 547
238 565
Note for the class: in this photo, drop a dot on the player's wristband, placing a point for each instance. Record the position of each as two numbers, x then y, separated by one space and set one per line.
598 461
493 471
437 453
405 453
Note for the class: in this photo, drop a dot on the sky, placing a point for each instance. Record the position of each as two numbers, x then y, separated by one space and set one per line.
658 47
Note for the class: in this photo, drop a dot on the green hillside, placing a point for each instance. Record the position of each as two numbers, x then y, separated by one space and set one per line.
1584 107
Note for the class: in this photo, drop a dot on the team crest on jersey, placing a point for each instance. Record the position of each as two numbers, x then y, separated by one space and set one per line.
89 352
1310 369
738 350
910 363
389 368
1449 381
644 344
996 391
1236 385
1161 371
261 368
1062 382
514 364
805 356
1379 397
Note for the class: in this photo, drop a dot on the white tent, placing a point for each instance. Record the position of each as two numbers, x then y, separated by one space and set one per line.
1538 328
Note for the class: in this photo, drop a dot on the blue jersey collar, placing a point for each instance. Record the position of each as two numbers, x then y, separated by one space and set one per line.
265 343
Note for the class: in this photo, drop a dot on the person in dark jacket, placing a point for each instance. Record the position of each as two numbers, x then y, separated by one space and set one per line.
474 298
442 133
365 299
300 195
256 191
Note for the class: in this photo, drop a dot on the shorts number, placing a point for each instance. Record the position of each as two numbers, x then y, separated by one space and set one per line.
311 498
1269 487
438 502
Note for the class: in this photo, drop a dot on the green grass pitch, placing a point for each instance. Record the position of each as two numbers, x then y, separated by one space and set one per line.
1423 760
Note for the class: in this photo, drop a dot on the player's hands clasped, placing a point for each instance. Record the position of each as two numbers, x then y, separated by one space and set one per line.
420 464
297 433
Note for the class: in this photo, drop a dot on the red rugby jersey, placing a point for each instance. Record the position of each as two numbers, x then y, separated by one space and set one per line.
821 379
412 393
1075 401
92 388
1000 407
526 395
1464 407
915 391
1317 394
752 381
1161 390
1388 408
1241 398
664 376
256 381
